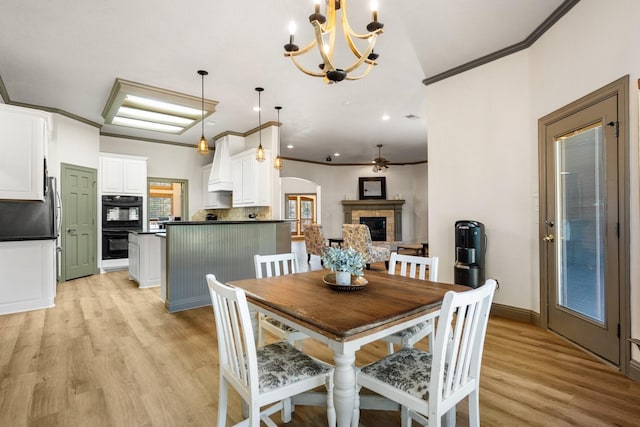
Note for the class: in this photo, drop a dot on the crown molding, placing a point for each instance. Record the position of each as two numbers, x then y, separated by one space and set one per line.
524 44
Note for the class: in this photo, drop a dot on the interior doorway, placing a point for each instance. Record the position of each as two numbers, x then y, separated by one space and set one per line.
584 253
167 200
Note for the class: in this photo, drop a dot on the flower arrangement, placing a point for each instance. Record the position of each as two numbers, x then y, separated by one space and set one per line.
347 260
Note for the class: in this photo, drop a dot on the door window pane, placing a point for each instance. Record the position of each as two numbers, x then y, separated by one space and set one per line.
580 226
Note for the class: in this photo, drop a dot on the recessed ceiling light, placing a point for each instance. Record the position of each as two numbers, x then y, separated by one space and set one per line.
289 146
145 107
336 154
385 117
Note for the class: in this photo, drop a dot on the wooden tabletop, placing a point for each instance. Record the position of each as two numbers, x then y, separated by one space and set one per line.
341 315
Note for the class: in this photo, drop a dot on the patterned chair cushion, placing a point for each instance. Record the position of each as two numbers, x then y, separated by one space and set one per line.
280 364
358 236
408 369
278 324
314 239
409 332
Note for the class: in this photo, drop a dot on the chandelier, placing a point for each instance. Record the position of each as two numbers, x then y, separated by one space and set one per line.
380 164
326 28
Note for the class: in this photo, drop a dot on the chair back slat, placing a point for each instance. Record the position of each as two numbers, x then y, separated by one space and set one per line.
275 265
236 346
459 343
414 266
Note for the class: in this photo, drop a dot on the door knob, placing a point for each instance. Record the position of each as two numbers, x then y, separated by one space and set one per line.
548 238
71 230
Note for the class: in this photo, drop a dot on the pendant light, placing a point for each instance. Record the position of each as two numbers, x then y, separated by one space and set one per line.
260 155
203 145
277 163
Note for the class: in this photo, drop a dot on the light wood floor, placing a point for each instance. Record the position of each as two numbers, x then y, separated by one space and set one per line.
109 354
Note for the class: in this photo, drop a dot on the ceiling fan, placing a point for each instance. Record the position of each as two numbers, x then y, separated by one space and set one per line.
380 164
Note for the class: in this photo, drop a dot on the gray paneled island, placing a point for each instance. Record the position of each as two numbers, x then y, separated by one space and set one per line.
192 249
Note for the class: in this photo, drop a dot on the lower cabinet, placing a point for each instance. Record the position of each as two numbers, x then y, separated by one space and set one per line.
28 279
144 259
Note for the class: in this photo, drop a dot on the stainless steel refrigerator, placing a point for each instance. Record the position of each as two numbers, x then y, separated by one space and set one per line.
31 220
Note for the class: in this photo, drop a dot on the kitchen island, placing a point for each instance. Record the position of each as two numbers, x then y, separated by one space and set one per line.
192 249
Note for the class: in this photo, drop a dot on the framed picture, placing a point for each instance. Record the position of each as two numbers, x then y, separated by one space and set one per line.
372 188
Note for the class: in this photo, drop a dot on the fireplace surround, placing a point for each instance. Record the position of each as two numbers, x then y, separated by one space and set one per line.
389 209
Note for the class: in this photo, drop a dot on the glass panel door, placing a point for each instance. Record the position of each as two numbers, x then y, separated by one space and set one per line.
580 222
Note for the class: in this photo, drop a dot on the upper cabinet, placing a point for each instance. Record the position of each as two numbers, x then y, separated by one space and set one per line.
213 199
24 135
120 175
251 179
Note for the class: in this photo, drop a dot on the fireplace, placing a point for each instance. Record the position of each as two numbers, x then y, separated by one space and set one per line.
377 227
388 210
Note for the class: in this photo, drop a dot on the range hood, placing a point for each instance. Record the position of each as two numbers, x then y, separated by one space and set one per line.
220 178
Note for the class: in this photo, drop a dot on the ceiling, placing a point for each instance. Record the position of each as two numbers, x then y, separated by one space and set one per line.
66 55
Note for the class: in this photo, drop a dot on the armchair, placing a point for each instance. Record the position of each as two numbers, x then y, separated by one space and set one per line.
358 236
314 240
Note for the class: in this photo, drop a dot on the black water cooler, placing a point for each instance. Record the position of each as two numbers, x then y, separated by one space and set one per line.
470 242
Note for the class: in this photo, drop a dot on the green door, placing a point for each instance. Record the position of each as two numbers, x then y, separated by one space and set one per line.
79 231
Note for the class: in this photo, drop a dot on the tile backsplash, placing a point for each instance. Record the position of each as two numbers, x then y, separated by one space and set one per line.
234 214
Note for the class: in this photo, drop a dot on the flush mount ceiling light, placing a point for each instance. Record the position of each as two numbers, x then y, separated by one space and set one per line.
326 28
150 108
203 145
380 164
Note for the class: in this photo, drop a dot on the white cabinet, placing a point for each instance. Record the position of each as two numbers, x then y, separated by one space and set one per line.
251 179
144 259
28 279
24 135
213 199
120 175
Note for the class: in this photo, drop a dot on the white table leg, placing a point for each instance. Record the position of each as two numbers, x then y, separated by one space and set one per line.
344 380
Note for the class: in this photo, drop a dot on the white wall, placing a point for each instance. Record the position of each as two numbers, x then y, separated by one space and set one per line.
165 161
341 182
73 142
494 111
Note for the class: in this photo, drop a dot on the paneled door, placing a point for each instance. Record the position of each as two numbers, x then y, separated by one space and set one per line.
302 208
580 213
79 229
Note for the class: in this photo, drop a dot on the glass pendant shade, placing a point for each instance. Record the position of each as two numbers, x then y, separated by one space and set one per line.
260 156
277 163
203 146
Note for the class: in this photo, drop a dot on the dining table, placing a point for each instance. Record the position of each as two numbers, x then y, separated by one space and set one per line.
345 318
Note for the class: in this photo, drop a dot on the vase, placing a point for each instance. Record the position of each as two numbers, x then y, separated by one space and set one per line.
343 278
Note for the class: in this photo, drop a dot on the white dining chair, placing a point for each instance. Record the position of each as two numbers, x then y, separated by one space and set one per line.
414 267
269 266
429 385
268 376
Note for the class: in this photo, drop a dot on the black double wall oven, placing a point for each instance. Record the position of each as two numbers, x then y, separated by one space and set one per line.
120 214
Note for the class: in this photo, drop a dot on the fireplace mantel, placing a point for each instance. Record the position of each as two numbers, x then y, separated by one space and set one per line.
375 205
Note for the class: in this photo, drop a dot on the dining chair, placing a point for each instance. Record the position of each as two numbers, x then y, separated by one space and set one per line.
269 266
270 375
429 385
414 267
358 236
314 240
